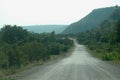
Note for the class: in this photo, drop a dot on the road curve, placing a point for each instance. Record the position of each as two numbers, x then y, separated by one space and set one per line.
80 65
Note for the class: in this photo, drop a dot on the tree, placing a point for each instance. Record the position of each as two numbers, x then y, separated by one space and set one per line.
13 34
117 29
3 60
35 51
14 56
115 34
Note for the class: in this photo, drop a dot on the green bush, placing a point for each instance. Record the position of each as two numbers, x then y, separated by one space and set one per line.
111 56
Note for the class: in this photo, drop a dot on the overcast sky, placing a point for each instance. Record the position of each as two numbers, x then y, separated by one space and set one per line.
34 12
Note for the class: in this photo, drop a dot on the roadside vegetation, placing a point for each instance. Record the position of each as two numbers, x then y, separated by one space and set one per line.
19 48
104 41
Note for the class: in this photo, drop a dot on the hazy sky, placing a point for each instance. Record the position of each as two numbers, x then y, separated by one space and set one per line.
30 12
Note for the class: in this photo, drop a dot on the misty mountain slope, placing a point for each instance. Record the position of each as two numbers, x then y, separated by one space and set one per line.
92 20
46 28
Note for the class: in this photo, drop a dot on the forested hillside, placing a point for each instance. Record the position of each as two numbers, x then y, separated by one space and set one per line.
46 28
104 41
92 20
19 48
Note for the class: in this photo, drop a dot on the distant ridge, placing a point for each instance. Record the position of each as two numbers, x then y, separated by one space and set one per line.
46 28
92 20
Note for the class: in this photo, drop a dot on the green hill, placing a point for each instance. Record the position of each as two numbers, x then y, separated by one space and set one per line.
46 28
92 20
104 40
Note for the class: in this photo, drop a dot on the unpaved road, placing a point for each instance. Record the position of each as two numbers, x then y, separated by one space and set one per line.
80 65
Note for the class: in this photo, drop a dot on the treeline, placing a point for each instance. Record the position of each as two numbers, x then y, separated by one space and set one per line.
19 47
104 40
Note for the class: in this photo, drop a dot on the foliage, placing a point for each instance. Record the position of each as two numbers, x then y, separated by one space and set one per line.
13 34
19 47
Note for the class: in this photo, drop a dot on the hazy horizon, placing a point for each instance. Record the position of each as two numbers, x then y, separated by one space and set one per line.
41 12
